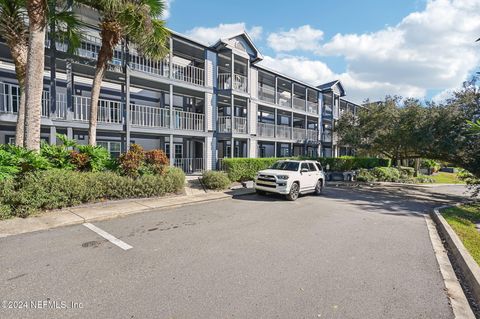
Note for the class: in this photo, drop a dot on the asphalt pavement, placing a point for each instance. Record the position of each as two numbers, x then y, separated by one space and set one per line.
346 254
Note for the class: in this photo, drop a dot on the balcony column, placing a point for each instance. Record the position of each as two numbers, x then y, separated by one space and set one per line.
291 126
306 99
232 147
52 138
172 151
275 93
170 97
275 123
232 70
275 149
127 96
248 76
170 59
306 127
232 112
292 94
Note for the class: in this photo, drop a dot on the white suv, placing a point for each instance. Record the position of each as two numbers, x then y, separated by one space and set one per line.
291 178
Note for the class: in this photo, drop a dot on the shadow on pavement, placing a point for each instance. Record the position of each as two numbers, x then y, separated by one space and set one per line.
396 201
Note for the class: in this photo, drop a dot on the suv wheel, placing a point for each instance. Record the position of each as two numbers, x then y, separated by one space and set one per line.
294 192
319 187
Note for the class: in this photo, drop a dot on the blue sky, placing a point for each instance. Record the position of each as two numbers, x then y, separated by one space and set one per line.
419 48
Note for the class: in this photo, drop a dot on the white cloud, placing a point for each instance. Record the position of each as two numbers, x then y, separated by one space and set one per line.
212 34
428 50
166 10
302 38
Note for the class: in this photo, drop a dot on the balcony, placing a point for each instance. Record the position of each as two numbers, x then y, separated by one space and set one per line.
327 137
299 134
312 107
239 82
108 111
284 132
224 124
298 103
265 129
188 121
312 135
188 73
149 116
266 93
145 65
284 100
9 102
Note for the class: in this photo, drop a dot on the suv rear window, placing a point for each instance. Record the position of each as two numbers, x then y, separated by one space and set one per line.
319 166
312 167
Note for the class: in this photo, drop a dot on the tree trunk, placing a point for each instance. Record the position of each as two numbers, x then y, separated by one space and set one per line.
37 12
110 37
19 50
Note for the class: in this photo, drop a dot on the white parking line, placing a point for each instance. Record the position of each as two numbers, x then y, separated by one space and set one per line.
108 237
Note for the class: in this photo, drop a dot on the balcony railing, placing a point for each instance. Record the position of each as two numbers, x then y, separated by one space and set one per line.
240 82
149 116
150 66
299 133
188 121
284 131
224 81
9 102
266 93
299 103
240 125
224 124
189 165
312 107
188 73
265 129
312 135
108 111
284 100
327 137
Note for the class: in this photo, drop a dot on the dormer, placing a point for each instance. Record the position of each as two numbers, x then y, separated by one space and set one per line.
240 44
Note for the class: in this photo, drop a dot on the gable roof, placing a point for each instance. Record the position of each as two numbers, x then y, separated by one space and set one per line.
225 42
331 85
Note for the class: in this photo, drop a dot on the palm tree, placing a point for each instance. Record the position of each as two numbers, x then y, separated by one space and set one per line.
14 29
474 126
137 20
37 17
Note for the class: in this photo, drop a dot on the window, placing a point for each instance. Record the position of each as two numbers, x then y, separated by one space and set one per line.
305 166
178 150
312 167
113 147
319 166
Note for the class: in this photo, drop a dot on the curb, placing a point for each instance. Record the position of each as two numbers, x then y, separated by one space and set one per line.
70 216
469 269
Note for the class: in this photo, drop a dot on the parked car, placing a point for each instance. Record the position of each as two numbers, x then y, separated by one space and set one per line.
291 178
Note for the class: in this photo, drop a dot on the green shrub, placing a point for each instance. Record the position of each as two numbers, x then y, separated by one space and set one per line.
57 188
131 161
365 175
244 169
386 174
406 172
424 179
98 157
57 155
216 180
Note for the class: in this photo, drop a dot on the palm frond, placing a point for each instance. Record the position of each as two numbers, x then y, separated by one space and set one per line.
13 20
68 29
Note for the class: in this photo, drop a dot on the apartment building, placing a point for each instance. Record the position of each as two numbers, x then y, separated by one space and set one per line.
200 104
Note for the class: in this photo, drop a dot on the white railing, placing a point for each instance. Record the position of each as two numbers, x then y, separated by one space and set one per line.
312 135
188 121
240 82
224 81
108 111
299 103
10 99
188 73
326 137
283 100
224 124
265 129
312 107
299 133
61 107
149 116
189 165
284 131
240 125
142 64
266 93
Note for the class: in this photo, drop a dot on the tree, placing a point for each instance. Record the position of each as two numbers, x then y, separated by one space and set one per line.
136 20
474 126
37 18
14 29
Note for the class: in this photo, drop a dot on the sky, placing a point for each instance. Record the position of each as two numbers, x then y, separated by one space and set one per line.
412 48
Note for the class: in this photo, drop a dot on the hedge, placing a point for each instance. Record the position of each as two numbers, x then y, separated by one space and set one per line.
242 169
57 188
215 180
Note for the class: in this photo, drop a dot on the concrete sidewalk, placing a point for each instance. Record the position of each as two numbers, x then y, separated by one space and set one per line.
108 210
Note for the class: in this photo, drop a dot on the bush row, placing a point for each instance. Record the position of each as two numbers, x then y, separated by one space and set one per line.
242 169
391 174
57 188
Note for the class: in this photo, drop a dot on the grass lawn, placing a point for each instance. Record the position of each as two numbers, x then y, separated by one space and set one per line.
446 178
462 219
